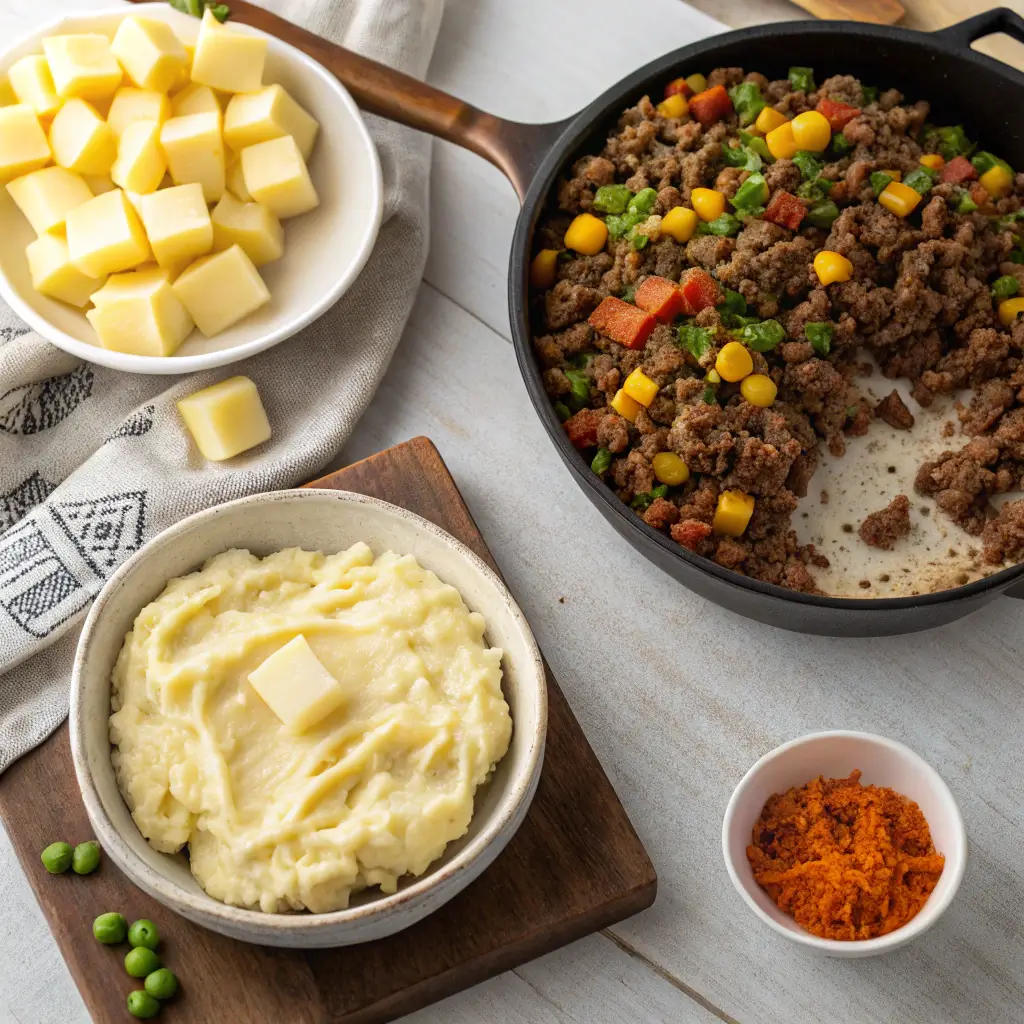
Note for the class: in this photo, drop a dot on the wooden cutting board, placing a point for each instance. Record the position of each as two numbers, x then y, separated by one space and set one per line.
575 866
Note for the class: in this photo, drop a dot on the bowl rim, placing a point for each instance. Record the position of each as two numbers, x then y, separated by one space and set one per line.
175 364
956 858
513 803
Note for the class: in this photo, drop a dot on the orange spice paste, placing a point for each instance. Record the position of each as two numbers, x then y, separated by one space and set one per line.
848 861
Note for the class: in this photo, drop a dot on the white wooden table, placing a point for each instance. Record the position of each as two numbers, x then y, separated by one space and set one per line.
677 696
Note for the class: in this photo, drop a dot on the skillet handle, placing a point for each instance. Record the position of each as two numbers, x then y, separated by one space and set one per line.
999 19
516 149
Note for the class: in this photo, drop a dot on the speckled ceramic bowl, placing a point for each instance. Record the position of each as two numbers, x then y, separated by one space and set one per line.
326 521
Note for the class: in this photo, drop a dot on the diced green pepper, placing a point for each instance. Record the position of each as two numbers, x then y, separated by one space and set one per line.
964 202
801 79
725 225
921 179
629 295
562 411
820 337
810 166
602 460
757 144
869 93
949 142
751 195
580 384
879 180
710 396
822 214
985 161
612 199
841 145
733 302
696 340
1005 287
747 100
763 336
643 501
743 157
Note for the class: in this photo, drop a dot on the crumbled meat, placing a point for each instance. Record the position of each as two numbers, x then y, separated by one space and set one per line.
883 528
1003 537
893 411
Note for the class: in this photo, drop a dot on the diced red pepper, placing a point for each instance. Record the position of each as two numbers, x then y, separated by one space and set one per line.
699 290
785 210
711 105
582 428
838 115
690 532
622 322
661 298
959 170
678 85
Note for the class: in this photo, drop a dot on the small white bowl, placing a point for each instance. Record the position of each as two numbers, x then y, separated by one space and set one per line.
329 521
883 762
324 249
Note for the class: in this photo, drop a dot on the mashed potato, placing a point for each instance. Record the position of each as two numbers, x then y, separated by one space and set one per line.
373 791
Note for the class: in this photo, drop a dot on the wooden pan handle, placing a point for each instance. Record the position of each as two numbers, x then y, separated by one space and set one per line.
516 149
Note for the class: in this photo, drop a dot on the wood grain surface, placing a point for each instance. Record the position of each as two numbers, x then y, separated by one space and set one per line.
575 866
881 12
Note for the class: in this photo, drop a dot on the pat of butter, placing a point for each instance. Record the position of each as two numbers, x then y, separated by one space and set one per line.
105 235
226 419
138 313
46 196
296 686
23 145
33 84
83 65
81 140
178 224
140 165
219 290
194 149
268 114
149 51
276 176
54 274
249 225
194 99
226 59
131 105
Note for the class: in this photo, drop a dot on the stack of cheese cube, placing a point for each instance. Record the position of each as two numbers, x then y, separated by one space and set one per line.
116 150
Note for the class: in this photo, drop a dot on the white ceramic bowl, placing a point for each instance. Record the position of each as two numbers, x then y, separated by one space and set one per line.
324 249
883 762
326 521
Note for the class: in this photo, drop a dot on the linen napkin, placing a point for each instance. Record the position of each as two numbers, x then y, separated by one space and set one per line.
94 462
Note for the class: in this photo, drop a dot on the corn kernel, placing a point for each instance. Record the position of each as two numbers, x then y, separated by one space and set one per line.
894 174
709 204
679 223
759 389
769 119
997 181
698 83
543 267
734 362
733 513
832 266
1009 310
673 106
640 387
899 199
781 143
625 406
933 161
811 131
670 469
586 235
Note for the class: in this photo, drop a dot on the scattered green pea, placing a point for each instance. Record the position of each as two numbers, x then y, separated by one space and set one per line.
161 984
86 858
142 1005
144 933
110 929
141 961
57 858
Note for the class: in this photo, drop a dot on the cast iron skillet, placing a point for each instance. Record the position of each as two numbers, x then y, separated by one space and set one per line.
961 85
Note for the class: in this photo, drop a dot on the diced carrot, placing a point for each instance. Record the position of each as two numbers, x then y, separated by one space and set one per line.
679 85
661 298
690 532
582 428
959 170
838 115
622 322
711 105
785 210
699 291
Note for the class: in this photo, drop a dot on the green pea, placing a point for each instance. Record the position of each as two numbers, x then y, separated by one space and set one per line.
57 858
142 1005
110 929
161 984
141 961
144 933
86 858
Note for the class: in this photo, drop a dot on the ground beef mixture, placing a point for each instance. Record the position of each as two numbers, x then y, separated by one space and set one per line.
883 528
640 284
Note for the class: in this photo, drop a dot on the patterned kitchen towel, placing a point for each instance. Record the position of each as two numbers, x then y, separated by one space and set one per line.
94 462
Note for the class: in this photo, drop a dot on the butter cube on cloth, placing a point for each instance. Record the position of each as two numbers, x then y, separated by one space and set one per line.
276 176
221 289
296 686
268 114
226 419
23 145
177 224
228 59
95 462
45 196
138 313
54 274
150 53
81 140
130 105
83 65
194 148
32 83
105 235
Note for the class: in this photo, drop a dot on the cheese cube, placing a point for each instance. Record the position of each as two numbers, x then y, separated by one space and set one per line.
276 176
82 66
249 225
23 145
140 163
177 224
45 196
296 687
195 152
7 95
219 290
55 275
131 105
226 419
81 140
268 114
228 60
33 84
194 99
105 235
99 183
235 180
138 313
151 54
